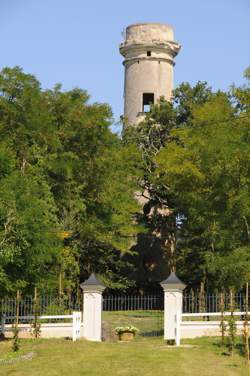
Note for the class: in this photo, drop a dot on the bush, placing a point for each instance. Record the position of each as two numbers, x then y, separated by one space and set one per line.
126 329
16 339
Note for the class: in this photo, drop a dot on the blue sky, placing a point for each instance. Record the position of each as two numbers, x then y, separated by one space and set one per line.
75 42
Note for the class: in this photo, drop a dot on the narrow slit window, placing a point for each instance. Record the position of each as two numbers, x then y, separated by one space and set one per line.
148 53
147 100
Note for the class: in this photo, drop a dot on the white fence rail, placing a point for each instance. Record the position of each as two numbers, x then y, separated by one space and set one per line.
199 328
76 323
207 314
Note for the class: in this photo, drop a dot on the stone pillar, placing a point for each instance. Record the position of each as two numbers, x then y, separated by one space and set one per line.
173 290
92 308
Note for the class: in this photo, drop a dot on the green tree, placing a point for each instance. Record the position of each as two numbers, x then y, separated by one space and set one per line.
195 186
93 177
62 171
156 249
28 247
206 168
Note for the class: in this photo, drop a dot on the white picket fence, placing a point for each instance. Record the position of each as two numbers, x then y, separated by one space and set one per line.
49 329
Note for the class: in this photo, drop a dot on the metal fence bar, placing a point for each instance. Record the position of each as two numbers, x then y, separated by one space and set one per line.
47 305
53 305
132 302
191 302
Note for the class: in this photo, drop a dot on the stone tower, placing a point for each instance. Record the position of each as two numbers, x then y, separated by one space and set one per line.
149 51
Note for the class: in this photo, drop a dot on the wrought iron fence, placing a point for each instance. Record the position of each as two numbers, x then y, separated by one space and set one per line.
44 305
198 303
142 311
153 304
132 302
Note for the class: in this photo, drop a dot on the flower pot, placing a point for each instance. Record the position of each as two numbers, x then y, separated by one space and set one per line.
126 336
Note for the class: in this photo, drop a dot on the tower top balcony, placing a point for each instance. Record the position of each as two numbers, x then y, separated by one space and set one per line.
149 50
149 35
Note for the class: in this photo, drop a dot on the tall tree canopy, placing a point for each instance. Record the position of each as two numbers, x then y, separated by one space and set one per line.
207 171
66 201
195 186
74 196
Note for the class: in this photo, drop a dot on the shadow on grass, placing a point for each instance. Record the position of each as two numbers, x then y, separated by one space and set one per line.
153 333
238 349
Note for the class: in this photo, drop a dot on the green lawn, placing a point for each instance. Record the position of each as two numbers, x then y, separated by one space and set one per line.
150 323
144 356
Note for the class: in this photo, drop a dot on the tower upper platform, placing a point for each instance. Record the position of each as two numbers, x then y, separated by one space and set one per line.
149 50
149 35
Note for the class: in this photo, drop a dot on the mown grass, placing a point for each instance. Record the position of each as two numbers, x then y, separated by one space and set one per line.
150 323
144 356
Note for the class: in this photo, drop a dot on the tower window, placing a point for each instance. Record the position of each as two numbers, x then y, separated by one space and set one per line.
147 100
148 53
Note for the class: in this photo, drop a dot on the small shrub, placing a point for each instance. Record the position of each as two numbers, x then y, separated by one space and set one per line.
232 327
36 324
16 339
245 342
223 325
36 328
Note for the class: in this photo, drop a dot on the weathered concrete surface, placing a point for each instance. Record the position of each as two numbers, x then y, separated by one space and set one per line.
144 73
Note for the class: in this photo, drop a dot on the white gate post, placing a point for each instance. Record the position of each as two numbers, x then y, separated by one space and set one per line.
92 308
76 325
173 290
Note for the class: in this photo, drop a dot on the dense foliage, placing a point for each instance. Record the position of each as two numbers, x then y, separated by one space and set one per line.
66 201
196 184
173 194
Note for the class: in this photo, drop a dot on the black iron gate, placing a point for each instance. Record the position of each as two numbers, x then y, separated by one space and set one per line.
145 312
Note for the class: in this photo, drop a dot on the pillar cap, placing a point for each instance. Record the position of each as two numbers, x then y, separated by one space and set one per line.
173 283
92 283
